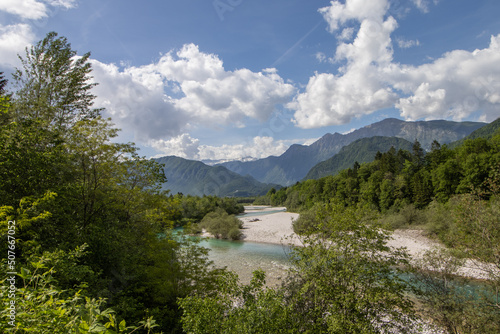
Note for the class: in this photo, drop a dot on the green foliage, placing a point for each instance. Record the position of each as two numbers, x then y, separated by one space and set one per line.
42 307
53 84
407 217
341 284
361 151
236 308
193 209
221 225
398 178
66 183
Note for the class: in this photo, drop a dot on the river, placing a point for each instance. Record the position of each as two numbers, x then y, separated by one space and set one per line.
244 257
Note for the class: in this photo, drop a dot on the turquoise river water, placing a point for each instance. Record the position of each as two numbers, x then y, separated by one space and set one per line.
244 257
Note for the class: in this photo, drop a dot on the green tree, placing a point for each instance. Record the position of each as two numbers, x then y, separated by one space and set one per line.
53 84
386 194
57 156
42 307
341 284
235 308
221 225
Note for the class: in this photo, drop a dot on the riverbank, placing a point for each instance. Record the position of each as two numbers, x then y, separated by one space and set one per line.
276 228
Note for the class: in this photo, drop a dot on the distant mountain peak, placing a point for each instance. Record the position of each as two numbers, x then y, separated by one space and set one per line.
295 163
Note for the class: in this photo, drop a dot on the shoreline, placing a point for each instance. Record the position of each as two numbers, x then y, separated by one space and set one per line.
276 228
272 228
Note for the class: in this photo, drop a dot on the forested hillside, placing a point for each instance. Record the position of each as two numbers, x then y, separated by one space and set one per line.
360 151
400 177
195 178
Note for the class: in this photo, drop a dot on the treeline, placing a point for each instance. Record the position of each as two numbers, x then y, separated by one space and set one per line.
83 220
400 178
192 209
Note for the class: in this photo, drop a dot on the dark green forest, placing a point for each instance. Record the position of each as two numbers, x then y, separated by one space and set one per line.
90 245
81 215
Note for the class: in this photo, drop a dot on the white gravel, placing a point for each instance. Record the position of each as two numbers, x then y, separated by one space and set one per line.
276 228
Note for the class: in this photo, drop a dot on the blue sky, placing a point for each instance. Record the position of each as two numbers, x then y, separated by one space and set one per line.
228 79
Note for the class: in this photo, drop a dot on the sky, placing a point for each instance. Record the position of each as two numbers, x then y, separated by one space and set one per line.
234 79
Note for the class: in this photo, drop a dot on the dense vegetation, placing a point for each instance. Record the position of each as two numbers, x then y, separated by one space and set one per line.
221 225
398 178
361 150
88 228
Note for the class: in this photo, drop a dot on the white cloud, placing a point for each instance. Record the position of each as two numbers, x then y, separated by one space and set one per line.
346 34
405 44
423 5
453 86
203 93
13 41
321 57
67 4
182 146
16 37
33 9
27 9
136 101
359 87
337 13
187 147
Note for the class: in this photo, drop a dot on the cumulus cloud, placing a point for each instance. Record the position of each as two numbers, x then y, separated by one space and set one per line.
13 41
136 101
27 9
16 37
33 9
186 88
359 87
337 13
187 147
454 86
182 146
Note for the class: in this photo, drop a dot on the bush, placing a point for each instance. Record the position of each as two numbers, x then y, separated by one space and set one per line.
408 216
221 225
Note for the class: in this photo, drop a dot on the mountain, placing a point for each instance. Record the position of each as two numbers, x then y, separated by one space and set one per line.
196 178
295 163
361 150
487 132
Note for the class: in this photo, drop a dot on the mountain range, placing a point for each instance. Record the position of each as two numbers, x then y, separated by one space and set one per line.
295 163
327 156
198 179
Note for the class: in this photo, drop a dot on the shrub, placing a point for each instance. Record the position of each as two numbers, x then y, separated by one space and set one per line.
221 225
